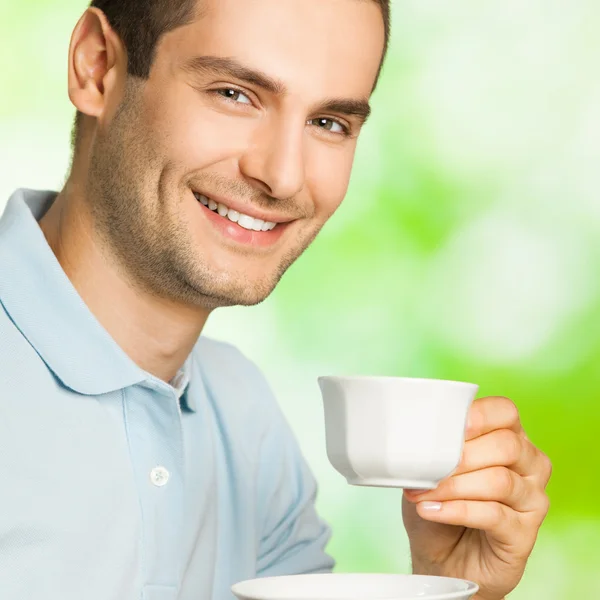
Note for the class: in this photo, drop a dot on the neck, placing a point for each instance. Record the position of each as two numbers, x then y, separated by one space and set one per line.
157 334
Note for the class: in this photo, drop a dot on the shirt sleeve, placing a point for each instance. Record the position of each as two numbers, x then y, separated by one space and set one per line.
293 537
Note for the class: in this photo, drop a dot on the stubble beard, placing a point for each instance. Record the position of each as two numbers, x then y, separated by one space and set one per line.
150 247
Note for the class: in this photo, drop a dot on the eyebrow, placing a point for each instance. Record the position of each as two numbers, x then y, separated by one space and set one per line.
229 66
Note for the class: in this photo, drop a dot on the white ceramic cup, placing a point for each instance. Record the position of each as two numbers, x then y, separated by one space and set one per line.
351 586
395 431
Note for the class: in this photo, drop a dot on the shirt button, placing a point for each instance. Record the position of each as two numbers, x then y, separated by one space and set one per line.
159 476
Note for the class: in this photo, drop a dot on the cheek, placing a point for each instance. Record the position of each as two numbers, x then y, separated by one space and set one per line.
327 177
196 135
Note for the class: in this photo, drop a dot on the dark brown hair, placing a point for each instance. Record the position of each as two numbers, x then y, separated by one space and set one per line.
141 23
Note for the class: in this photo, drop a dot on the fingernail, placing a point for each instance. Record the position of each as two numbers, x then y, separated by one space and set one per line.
431 506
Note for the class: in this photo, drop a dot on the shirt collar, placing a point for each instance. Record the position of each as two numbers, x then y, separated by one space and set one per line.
181 381
43 304
192 387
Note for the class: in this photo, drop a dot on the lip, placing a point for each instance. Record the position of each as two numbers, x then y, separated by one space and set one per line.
245 209
239 236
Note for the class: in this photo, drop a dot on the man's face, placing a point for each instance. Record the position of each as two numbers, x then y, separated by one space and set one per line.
205 127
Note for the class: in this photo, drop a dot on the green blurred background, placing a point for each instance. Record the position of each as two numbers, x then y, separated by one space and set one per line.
466 248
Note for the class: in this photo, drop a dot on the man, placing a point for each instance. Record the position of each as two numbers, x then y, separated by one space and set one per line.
214 138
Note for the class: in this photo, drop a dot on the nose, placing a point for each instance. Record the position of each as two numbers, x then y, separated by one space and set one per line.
274 160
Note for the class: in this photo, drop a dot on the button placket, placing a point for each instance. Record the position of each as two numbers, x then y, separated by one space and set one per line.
155 436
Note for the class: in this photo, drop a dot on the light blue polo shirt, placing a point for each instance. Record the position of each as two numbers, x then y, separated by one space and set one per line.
115 485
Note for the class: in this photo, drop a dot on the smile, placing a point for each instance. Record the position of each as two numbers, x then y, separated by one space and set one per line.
245 221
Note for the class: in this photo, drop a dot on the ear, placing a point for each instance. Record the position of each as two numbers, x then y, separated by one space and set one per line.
97 64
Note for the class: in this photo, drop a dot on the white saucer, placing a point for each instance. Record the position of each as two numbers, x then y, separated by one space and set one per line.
355 587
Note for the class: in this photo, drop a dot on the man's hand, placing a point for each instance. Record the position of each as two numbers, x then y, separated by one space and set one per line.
491 507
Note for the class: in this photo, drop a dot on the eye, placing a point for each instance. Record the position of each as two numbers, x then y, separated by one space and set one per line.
234 95
330 125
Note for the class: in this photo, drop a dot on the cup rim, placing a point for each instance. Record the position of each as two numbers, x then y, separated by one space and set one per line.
351 378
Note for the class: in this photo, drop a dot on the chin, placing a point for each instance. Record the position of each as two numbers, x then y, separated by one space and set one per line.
231 291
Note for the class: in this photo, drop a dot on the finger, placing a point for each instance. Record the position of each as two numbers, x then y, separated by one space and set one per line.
501 448
544 470
492 517
497 484
491 413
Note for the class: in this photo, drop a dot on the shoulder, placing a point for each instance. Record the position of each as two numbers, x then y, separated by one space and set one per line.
22 371
14 347
224 356
237 388
227 367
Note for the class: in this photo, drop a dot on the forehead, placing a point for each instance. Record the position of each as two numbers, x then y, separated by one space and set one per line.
330 47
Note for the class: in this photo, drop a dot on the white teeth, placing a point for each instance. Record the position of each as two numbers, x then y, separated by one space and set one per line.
242 220
246 222
254 224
